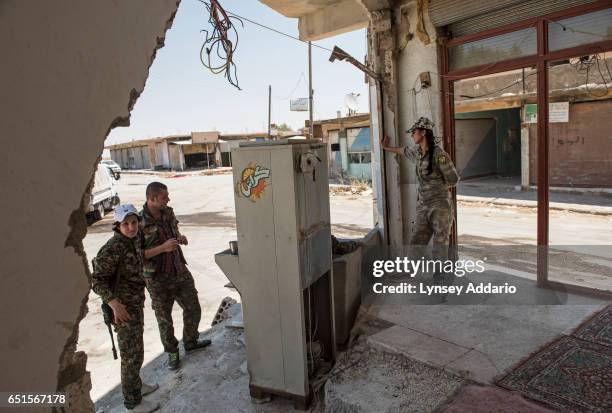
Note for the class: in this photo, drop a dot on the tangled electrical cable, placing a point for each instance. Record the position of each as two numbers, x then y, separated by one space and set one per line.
585 64
217 52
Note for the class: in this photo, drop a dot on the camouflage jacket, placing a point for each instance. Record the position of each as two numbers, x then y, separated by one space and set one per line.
434 186
118 270
152 235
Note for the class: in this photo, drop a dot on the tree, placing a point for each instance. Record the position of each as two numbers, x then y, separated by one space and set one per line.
283 127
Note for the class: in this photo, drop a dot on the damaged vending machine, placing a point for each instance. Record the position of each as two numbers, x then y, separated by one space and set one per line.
282 266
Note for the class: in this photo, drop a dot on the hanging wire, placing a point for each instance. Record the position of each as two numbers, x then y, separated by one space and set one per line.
501 89
290 95
243 19
217 52
223 28
573 30
585 64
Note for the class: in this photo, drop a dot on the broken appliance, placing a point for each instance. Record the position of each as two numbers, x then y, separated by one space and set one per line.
282 265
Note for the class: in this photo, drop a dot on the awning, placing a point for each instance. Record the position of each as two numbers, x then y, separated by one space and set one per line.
187 142
361 142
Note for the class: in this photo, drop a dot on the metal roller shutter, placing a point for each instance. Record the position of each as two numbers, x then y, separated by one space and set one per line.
445 12
468 17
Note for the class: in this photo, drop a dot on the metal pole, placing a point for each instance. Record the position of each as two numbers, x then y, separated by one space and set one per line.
311 132
269 110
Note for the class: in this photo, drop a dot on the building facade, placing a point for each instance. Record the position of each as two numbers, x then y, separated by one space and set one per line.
422 55
348 141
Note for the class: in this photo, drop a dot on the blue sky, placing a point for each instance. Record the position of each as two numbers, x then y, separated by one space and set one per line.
181 95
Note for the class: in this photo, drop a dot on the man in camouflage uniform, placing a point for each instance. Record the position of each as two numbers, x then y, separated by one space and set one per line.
436 174
118 280
166 274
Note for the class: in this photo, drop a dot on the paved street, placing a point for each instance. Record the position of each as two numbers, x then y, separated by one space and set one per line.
205 207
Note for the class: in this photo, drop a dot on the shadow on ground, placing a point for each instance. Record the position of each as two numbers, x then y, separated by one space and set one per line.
214 379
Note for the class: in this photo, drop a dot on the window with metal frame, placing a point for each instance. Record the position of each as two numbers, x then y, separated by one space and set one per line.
575 31
493 49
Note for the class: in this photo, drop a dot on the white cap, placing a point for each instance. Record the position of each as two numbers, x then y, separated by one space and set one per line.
122 211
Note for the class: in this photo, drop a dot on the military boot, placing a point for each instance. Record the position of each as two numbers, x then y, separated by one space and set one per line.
197 345
174 362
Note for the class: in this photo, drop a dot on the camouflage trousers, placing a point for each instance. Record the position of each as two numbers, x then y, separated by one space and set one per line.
434 220
131 349
165 289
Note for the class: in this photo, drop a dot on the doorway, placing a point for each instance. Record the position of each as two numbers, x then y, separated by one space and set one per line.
562 75
496 208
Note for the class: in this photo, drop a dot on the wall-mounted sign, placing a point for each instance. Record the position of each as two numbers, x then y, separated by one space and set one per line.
531 113
298 105
253 182
557 112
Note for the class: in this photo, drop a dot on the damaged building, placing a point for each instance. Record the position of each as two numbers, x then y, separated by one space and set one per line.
515 88
181 152
74 70
349 147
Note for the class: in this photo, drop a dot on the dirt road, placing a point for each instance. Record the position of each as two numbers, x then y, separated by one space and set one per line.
205 207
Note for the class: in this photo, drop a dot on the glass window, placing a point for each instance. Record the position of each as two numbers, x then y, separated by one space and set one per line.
493 49
575 31
366 157
496 155
354 158
580 170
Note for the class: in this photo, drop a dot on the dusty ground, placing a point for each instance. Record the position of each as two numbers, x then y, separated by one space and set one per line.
205 207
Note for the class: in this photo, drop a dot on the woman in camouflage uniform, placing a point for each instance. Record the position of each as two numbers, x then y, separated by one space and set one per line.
436 174
118 280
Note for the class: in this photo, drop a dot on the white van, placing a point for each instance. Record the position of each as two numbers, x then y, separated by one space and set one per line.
103 194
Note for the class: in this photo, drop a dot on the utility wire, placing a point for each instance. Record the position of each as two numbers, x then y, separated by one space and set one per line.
299 81
585 64
483 69
516 82
217 52
571 29
269 28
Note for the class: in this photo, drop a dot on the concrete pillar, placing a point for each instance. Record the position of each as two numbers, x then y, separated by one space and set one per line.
525 157
414 57
343 149
399 50
382 58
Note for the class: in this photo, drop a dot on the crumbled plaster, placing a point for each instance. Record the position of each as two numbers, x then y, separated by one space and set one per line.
72 377
383 53
402 42
404 35
421 31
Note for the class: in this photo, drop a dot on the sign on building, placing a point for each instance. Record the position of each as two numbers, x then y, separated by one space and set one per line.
557 112
298 105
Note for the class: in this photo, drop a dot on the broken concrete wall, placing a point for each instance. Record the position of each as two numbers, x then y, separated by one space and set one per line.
402 45
71 71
